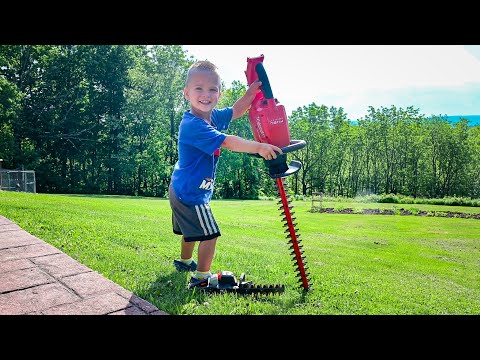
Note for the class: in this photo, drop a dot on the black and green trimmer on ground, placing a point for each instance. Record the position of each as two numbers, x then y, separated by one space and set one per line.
269 123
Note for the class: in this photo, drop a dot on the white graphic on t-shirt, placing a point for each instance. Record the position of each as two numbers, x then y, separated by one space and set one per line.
207 184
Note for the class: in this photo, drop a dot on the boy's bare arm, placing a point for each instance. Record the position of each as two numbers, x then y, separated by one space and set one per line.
236 143
243 103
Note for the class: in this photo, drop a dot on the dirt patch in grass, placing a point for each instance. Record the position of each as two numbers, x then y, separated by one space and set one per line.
401 212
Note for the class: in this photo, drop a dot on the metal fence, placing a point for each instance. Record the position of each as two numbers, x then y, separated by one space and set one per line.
18 180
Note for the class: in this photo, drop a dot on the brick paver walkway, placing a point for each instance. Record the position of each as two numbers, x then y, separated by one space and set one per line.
38 279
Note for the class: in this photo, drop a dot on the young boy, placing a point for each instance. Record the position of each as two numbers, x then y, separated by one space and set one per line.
192 183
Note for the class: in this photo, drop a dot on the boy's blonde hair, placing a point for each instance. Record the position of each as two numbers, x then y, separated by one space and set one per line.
203 65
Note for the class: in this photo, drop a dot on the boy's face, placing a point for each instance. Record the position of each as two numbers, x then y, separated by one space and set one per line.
203 93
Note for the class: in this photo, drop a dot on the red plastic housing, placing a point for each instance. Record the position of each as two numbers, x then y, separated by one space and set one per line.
268 118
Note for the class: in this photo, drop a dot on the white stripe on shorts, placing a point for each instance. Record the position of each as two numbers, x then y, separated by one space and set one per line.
205 218
210 218
199 215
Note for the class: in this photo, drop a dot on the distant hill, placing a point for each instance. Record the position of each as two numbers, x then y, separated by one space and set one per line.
473 120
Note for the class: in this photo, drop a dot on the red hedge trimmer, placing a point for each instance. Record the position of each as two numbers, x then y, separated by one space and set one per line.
269 125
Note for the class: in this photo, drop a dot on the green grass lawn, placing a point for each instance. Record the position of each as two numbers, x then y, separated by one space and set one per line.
358 264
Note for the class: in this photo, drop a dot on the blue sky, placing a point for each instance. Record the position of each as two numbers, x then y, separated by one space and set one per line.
436 79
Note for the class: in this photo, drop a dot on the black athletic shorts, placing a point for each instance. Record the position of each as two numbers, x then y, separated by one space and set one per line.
194 222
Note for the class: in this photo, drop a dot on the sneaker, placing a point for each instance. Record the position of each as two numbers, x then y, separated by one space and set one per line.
197 283
181 266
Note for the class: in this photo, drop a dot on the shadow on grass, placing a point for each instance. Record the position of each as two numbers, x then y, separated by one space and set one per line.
169 292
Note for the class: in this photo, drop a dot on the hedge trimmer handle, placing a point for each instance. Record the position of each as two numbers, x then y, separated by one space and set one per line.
294 145
262 76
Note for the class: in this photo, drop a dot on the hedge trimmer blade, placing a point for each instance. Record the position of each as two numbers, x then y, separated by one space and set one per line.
295 246
250 289
226 282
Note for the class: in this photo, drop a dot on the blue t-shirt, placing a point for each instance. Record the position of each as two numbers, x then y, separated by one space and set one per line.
198 152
